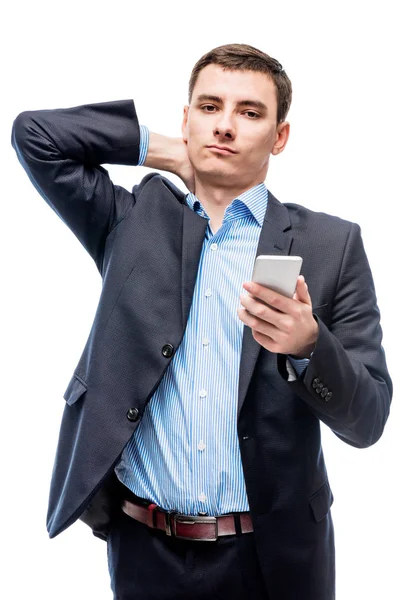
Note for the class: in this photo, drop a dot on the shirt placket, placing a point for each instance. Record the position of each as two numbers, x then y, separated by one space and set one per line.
203 485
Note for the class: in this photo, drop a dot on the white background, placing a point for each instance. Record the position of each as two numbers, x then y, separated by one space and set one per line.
342 158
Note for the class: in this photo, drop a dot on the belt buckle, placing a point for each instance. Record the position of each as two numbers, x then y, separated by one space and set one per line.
192 520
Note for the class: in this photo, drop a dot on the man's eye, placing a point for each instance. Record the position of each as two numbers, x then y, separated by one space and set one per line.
252 114
208 108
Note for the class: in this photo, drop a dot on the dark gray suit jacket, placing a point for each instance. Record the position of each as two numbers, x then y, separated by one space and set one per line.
146 244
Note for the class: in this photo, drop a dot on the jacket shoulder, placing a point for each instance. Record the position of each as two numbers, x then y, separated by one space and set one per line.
299 213
156 183
320 225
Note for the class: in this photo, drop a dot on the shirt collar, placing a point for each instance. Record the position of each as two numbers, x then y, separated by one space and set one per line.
254 200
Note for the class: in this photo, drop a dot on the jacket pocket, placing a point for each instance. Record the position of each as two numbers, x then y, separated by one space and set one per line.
321 307
75 389
321 501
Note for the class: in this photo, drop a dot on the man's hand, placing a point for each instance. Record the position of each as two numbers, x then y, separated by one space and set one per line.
184 168
170 154
286 325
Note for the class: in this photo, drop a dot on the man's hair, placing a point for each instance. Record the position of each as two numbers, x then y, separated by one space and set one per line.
242 57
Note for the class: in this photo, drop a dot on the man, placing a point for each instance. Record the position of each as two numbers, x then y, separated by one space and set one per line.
190 439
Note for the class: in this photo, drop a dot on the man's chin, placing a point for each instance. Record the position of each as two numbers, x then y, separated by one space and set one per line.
221 175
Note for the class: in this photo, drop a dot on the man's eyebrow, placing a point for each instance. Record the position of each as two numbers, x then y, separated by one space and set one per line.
254 103
204 97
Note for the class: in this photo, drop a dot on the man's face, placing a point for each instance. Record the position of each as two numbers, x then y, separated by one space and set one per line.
230 127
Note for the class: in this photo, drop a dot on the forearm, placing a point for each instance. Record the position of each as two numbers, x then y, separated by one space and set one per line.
92 134
346 383
62 151
351 399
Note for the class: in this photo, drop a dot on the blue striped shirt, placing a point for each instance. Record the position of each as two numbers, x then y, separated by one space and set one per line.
184 454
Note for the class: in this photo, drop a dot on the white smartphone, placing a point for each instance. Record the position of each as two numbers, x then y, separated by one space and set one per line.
279 273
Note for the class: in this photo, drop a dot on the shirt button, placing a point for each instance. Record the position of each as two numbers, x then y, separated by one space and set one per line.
201 446
208 292
205 341
203 393
202 497
214 246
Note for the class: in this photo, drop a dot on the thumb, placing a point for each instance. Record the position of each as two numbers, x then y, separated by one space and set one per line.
301 293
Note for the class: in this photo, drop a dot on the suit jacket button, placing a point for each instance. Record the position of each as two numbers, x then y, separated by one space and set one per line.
132 414
167 350
315 382
324 392
328 396
319 388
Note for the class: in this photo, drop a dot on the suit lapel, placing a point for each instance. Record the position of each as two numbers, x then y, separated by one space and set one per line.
194 229
193 232
275 238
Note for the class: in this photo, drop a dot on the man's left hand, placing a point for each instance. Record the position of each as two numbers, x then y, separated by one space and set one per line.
286 325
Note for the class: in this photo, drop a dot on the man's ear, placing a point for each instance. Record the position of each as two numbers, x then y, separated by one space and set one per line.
282 136
184 123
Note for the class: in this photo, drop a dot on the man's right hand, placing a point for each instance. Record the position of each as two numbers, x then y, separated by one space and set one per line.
170 154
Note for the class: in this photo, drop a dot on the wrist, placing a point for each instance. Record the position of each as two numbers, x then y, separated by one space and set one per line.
163 153
304 353
307 351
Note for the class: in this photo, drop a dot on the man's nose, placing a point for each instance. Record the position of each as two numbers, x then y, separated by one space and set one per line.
225 127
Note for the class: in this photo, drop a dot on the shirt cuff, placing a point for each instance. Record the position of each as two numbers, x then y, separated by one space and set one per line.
144 144
295 367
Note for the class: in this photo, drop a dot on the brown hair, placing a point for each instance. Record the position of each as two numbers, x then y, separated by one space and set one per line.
242 57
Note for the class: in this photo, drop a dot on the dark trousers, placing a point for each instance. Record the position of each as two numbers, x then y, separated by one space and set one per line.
146 564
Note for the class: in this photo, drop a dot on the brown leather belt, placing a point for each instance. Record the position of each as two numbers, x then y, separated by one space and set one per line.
186 527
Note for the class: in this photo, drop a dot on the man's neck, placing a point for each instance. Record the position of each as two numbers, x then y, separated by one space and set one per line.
215 199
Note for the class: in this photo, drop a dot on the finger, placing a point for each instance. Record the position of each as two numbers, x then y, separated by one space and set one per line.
273 299
301 293
265 341
258 325
264 312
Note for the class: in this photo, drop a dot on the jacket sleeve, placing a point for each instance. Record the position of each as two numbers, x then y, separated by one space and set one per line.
61 151
346 383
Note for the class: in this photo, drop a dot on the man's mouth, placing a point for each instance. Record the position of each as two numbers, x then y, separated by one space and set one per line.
221 149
